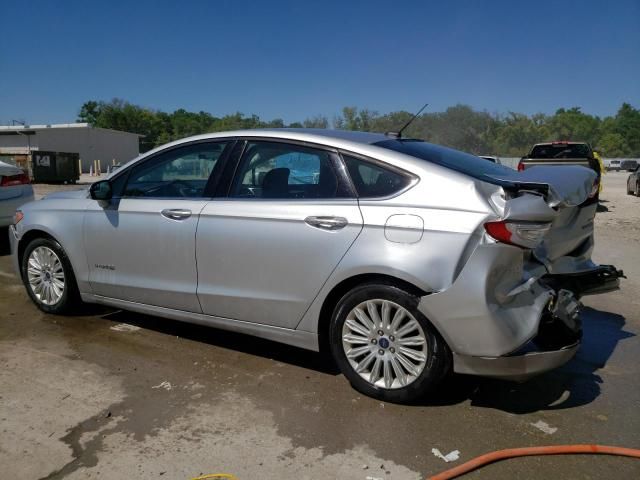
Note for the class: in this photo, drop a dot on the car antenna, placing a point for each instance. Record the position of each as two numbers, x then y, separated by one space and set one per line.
398 134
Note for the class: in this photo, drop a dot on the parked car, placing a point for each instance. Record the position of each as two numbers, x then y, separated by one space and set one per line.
633 183
560 153
563 153
490 158
403 259
629 165
613 165
15 190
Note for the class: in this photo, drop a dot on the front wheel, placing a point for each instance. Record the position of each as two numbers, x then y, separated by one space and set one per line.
385 346
48 277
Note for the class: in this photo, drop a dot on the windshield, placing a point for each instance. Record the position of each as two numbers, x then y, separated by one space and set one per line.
561 150
447 157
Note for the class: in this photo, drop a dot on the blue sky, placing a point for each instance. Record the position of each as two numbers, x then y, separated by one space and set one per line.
296 59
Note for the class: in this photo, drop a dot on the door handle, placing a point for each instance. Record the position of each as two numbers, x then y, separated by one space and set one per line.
176 213
327 223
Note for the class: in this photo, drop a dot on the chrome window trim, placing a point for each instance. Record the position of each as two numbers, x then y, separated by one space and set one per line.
413 178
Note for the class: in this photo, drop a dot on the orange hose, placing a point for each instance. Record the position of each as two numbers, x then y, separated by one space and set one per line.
491 457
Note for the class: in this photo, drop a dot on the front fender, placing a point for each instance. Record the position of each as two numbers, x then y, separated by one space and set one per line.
62 220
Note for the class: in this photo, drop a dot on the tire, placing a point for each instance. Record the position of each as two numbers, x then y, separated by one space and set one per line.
637 189
429 358
50 267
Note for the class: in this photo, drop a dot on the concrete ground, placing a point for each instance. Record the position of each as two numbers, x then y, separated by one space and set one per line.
114 395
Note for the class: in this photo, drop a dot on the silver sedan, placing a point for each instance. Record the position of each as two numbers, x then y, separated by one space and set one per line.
404 259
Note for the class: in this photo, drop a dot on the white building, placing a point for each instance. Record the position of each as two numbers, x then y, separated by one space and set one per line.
91 143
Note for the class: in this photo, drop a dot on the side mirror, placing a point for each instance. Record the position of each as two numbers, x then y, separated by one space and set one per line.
101 190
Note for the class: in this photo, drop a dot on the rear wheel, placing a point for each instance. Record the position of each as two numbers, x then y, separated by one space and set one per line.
385 346
637 189
48 277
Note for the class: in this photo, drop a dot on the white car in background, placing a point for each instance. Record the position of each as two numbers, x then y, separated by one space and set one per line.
15 191
613 165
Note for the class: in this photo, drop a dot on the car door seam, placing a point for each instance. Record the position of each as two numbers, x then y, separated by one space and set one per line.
357 204
195 252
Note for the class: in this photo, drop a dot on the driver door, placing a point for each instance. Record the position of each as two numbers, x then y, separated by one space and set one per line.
141 247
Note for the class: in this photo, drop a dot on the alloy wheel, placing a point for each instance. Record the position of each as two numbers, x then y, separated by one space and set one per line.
384 344
45 275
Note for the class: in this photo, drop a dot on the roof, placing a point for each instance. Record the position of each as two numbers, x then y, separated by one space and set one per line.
54 126
349 135
44 127
335 138
363 143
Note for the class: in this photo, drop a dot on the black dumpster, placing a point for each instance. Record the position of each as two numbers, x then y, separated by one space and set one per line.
55 167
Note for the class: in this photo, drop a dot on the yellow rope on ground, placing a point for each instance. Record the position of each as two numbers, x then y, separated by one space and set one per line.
227 476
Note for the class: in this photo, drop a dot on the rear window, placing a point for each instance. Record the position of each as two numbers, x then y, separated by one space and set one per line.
373 181
561 150
447 157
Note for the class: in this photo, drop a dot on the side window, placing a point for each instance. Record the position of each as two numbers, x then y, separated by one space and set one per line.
373 181
180 172
280 170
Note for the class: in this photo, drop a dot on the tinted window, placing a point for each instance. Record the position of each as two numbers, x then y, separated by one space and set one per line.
280 170
561 150
447 157
371 180
180 172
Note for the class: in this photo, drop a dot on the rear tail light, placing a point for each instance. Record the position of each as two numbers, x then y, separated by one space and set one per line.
11 180
521 234
18 217
520 166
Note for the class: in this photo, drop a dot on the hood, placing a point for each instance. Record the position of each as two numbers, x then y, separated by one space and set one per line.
84 193
568 185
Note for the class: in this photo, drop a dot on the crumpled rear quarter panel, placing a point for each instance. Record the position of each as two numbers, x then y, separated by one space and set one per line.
477 316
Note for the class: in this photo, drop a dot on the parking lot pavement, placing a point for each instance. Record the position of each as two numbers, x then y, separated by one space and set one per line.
115 395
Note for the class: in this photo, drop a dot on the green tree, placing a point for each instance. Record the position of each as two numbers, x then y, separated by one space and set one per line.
613 145
89 112
627 124
572 124
516 133
459 126
355 119
319 121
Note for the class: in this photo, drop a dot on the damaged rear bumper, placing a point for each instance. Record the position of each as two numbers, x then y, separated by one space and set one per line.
601 279
505 317
515 367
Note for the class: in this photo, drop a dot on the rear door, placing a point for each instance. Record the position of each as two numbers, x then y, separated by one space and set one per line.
265 250
141 246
